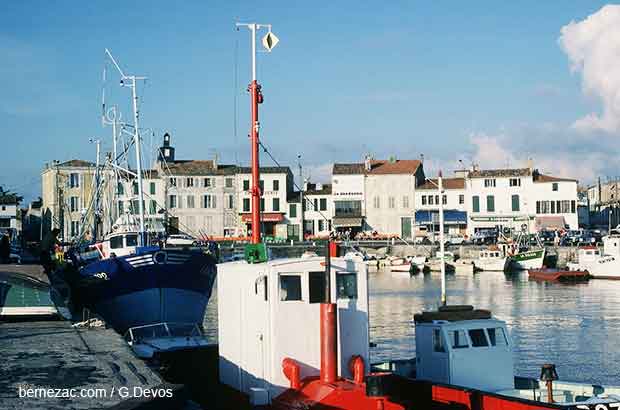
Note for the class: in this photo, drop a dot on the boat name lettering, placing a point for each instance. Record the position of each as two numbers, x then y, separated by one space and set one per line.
101 275
599 406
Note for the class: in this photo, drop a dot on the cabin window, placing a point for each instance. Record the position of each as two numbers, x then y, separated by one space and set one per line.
438 341
131 240
116 242
458 338
478 338
316 282
290 287
497 337
346 286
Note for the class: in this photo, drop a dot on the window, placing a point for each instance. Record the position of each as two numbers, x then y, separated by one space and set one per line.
346 286
116 242
515 203
173 181
292 211
475 202
572 206
444 200
423 199
438 341
315 204
74 203
261 185
152 188
552 203
478 338
458 339
489 183
135 188
391 202
209 202
431 200
190 201
323 204
153 207
405 202
189 182
316 283
436 199
543 207
74 180
321 225
246 184
515 181
131 240
275 204
490 203
564 207
290 287
276 185
347 208
229 182
246 204
497 337
75 228
120 207
461 199
262 204
231 201
554 186
376 202
120 189
172 201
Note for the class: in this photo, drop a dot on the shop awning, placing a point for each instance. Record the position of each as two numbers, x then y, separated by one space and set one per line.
550 222
347 222
264 217
450 217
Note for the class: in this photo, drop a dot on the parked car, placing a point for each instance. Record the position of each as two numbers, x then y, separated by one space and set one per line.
181 240
548 237
454 239
571 238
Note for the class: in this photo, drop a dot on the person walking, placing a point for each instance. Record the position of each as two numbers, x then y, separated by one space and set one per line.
48 244
5 249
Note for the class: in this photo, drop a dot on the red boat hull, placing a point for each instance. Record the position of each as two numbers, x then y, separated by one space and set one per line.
557 275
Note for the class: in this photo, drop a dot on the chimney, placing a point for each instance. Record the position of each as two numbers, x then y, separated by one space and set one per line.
215 161
319 186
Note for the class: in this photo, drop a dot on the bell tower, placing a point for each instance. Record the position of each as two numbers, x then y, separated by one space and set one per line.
166 151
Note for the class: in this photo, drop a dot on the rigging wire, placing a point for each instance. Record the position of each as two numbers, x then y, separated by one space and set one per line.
236 91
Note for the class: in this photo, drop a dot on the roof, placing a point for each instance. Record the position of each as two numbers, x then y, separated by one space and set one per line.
326 189
448 183
198 167
265 170
548 178
77 163
452 313
379 167
498 173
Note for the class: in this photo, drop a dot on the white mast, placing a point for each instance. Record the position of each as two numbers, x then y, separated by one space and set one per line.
441 241
136 137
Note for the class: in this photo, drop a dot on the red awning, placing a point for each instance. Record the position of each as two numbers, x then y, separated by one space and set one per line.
264 217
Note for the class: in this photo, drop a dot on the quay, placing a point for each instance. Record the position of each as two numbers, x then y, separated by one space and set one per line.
41 350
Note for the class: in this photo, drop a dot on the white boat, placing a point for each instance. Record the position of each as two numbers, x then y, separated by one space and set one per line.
157 338
492 260
600 265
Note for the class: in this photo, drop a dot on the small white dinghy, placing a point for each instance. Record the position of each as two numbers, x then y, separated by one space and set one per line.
148 340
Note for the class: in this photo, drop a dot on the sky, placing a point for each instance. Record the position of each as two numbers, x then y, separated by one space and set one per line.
485 82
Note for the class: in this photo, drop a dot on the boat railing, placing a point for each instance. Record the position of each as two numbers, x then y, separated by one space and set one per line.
164 329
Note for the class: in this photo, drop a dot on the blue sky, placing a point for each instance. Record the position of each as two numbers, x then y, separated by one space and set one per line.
440 78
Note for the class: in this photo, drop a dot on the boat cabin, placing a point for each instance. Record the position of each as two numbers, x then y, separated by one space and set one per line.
270 311
120 244
611 244
491 254
464 347
588 254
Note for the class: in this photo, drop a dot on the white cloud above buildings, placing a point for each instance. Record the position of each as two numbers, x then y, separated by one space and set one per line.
593 49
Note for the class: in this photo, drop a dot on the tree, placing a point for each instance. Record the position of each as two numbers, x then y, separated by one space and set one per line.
8 197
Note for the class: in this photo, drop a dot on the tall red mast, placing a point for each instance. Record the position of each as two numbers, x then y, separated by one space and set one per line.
269 42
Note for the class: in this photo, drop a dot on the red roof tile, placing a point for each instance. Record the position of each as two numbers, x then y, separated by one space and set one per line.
448 183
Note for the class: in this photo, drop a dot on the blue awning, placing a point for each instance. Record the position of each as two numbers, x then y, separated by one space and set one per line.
450 217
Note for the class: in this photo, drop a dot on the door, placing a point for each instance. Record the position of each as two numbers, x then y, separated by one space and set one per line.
256 335
405 228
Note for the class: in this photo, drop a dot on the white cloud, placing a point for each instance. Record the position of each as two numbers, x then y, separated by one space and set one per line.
593 48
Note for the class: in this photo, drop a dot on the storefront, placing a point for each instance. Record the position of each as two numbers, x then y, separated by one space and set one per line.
268 220
455 222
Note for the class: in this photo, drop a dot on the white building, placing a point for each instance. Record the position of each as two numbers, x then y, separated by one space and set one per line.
10 220
319 209
518 198
427 199
376 195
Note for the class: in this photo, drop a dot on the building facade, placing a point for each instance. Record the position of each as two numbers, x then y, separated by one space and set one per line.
427 199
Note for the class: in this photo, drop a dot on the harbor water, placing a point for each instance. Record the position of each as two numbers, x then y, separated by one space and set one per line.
575 326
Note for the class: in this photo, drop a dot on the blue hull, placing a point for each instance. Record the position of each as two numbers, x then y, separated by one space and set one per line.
150 287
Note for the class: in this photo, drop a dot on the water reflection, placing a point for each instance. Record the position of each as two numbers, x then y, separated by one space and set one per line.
577 327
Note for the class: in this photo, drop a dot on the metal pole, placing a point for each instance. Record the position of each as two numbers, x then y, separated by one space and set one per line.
138 161
441 242
97 182
301 201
